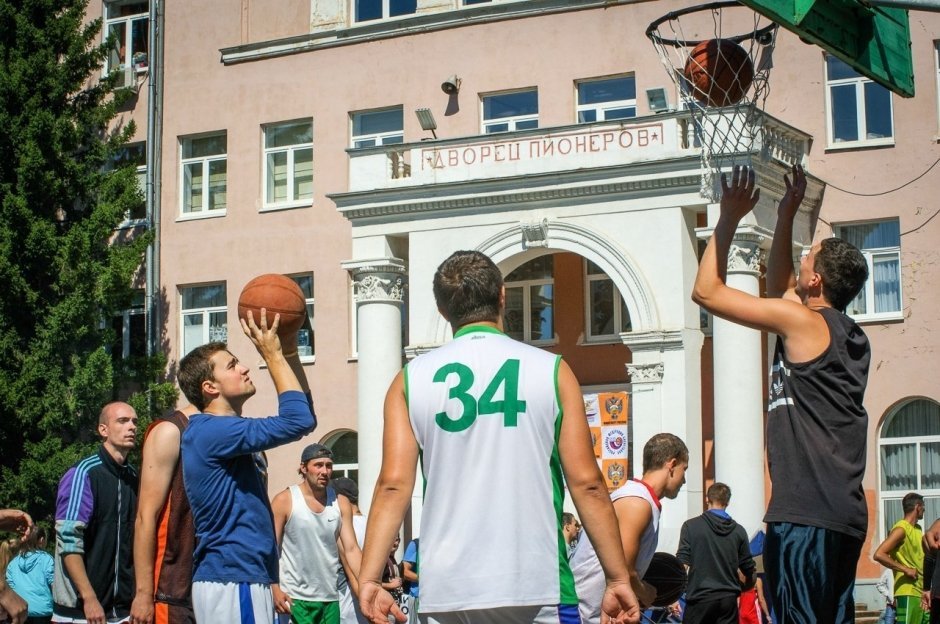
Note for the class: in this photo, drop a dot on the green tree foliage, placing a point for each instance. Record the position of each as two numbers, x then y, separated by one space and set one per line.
65 268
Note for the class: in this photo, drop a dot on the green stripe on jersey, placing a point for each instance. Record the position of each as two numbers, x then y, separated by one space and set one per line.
568 595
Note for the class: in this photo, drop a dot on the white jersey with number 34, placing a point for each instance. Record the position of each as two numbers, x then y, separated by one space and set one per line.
486 413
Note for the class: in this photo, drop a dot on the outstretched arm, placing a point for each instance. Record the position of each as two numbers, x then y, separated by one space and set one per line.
780 278
711 291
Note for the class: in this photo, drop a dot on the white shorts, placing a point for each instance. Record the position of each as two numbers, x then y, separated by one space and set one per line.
61 619
554 614
233 603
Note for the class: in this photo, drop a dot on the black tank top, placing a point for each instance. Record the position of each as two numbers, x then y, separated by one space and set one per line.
817 429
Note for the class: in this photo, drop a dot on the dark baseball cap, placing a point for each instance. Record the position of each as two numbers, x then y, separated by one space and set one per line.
347 487
315 451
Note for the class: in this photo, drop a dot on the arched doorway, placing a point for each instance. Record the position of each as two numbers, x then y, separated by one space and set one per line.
345 447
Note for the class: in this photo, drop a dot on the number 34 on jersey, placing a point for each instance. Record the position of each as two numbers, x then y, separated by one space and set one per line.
507 378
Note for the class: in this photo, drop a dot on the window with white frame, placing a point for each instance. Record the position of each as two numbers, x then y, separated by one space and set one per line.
530 302
606 98
127 23
288 164
203 315
880 243
505 112
367 10
135 154
605 310
305 342
203 174
377 127
910 459
345 447
130 330
860 110
936 70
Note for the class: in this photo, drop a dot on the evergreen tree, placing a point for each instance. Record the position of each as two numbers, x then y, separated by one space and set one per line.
64 270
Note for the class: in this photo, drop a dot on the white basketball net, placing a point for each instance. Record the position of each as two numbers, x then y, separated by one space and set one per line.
724 132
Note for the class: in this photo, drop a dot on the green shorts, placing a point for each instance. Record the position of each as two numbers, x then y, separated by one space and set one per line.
307 612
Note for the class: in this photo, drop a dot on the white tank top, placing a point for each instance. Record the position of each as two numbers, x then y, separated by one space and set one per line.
309 556
484 409
588 575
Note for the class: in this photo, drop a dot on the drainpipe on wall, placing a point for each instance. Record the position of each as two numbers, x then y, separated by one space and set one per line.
154 157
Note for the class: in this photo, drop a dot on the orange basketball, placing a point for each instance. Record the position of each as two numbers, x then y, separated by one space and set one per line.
719 72
278 294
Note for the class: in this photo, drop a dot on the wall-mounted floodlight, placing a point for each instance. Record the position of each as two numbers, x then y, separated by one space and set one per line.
426 119
657 100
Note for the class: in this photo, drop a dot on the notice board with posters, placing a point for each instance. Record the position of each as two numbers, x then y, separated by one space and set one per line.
608 416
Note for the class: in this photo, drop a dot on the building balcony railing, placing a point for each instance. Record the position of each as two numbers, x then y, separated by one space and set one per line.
666 136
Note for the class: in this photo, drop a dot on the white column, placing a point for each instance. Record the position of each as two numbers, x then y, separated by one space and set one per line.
739 400
379 285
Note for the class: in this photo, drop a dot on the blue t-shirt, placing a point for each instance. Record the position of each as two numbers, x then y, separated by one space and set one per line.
411 556
234 525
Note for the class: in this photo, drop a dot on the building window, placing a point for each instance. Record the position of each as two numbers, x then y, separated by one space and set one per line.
860 111
530 304
880 243
204 315
305 344
127 23
288 164
606 313
345 447
505 112
381 127
135 154
130 330
367 10
605 99
203 166
910 459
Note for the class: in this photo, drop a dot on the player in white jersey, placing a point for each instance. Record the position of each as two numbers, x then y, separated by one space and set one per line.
637 504
483 405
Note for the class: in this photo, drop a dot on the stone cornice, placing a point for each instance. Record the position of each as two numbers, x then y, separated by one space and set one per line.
411 25
415 200
655 340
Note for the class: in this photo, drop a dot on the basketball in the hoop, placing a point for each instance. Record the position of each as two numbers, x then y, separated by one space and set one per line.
719 72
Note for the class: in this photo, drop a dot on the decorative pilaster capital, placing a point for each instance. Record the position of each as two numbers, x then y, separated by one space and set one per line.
534 233
381 280
745 254
645 373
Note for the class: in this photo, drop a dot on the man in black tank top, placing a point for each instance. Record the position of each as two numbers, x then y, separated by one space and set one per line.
817 424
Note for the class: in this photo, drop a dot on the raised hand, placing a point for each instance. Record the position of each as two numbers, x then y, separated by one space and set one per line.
793 197
263 337
739 197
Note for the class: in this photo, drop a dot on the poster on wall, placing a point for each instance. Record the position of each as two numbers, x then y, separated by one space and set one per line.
608 416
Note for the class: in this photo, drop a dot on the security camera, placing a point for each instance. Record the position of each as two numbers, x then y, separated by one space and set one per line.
451 85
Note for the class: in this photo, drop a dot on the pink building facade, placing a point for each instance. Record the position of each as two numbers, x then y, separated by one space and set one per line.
285 140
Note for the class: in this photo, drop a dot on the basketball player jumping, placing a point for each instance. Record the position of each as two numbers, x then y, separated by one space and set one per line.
496 422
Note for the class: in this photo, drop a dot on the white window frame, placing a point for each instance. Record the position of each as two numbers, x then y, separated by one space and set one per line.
309 302
127 21
601 108
125 316
204 210
859 82
205 312
290 201
617 303
936 67
380 138
526 286
512 122
386 16
870 256
886 495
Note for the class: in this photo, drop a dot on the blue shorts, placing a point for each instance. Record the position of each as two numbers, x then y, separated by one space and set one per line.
555 614
810 574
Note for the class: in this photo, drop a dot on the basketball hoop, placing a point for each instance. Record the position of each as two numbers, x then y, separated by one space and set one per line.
721 76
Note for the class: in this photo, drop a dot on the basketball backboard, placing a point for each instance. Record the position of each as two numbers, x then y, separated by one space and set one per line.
875 41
